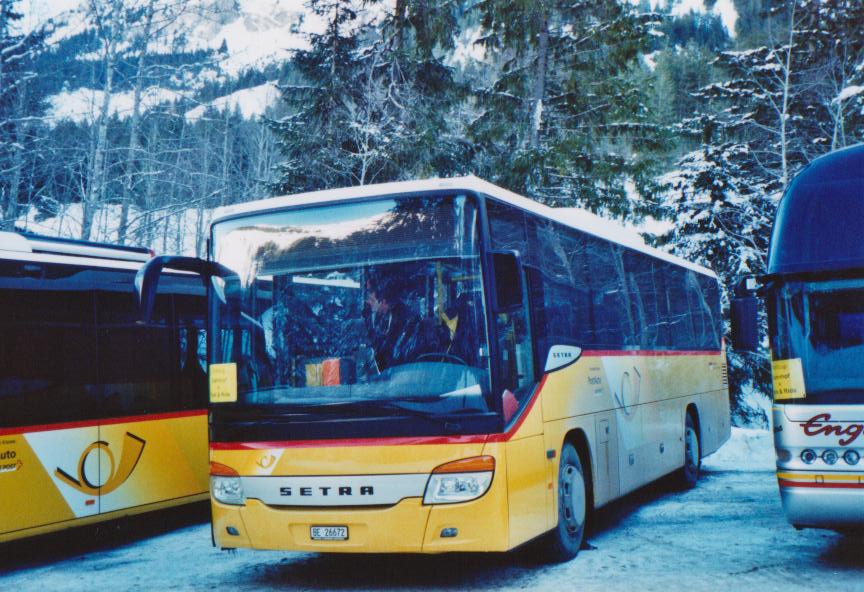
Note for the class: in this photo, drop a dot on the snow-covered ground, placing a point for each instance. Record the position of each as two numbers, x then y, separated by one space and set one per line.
728 533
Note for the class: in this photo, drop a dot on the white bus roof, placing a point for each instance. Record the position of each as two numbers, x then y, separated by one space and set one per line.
42 249
573 217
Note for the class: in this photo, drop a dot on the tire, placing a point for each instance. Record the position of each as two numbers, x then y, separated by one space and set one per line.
563 543
692 453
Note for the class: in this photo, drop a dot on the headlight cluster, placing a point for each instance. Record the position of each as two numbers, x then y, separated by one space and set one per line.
225 485
227 490
460 481
830 456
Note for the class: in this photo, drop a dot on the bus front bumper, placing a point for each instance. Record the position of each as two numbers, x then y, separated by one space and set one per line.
406 527
823 501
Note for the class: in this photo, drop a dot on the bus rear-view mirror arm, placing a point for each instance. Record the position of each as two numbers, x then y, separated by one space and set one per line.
147 278
744 312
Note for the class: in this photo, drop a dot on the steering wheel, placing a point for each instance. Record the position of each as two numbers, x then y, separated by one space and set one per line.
443 356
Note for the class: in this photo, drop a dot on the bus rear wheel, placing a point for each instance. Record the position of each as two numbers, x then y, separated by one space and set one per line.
563 543
692 453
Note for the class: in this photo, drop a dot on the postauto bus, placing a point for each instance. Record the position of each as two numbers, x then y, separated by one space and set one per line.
101 416
814 291
445 366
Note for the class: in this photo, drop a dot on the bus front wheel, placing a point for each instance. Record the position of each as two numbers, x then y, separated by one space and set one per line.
564 541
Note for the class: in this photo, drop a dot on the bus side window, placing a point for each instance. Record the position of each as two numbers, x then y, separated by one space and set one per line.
47 344
136 362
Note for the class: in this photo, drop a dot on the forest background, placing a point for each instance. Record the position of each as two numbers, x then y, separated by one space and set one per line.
129 121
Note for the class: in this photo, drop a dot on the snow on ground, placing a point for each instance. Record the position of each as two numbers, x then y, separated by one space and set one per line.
728 533
84 104
724 8
251 102
264 32
749 449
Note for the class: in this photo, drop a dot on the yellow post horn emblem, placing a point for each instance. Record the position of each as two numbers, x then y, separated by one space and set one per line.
133 446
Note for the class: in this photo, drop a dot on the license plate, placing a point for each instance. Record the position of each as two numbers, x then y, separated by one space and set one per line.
328 533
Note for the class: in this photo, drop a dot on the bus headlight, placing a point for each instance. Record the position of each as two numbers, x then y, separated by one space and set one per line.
830 457
227 490
460 481
225 485
851 457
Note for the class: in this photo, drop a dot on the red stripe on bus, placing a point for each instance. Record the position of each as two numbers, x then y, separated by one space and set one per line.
649 353
825 485
92 423
394 441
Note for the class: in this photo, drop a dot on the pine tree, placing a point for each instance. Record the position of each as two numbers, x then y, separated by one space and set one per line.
567 120
370 104
779 105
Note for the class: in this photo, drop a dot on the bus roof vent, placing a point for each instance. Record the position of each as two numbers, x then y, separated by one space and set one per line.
12 241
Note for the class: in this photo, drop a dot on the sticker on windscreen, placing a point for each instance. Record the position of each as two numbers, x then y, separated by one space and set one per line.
788 379
223 383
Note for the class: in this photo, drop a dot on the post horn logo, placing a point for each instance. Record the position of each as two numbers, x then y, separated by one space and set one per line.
133 446
266 461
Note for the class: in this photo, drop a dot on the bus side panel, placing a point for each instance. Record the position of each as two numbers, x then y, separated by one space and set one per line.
154 460
527 479
578 390
47 478
714 421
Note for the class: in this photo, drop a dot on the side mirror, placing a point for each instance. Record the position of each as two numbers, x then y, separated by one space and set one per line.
507 272
744 312
147 278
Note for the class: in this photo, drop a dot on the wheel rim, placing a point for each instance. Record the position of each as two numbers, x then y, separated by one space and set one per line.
691 448
572 499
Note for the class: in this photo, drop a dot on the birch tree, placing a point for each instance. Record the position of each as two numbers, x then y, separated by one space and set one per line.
20 108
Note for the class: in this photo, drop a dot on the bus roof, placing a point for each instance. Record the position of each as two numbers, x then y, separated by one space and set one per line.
573 217
819 219
36 248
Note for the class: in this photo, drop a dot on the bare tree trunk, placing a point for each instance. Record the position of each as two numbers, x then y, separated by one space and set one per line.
784 116
109 37
204 188
226 159
134 141
539 90
11 213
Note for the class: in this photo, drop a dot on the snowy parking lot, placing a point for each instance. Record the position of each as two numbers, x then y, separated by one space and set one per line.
727 533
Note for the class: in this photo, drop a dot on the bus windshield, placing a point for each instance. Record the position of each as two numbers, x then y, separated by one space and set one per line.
822 324
358 309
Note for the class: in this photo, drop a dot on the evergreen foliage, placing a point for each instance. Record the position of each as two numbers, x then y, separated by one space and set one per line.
566 121
619 107
370 106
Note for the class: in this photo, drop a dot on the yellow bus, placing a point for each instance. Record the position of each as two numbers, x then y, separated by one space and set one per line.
100 416
445 366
